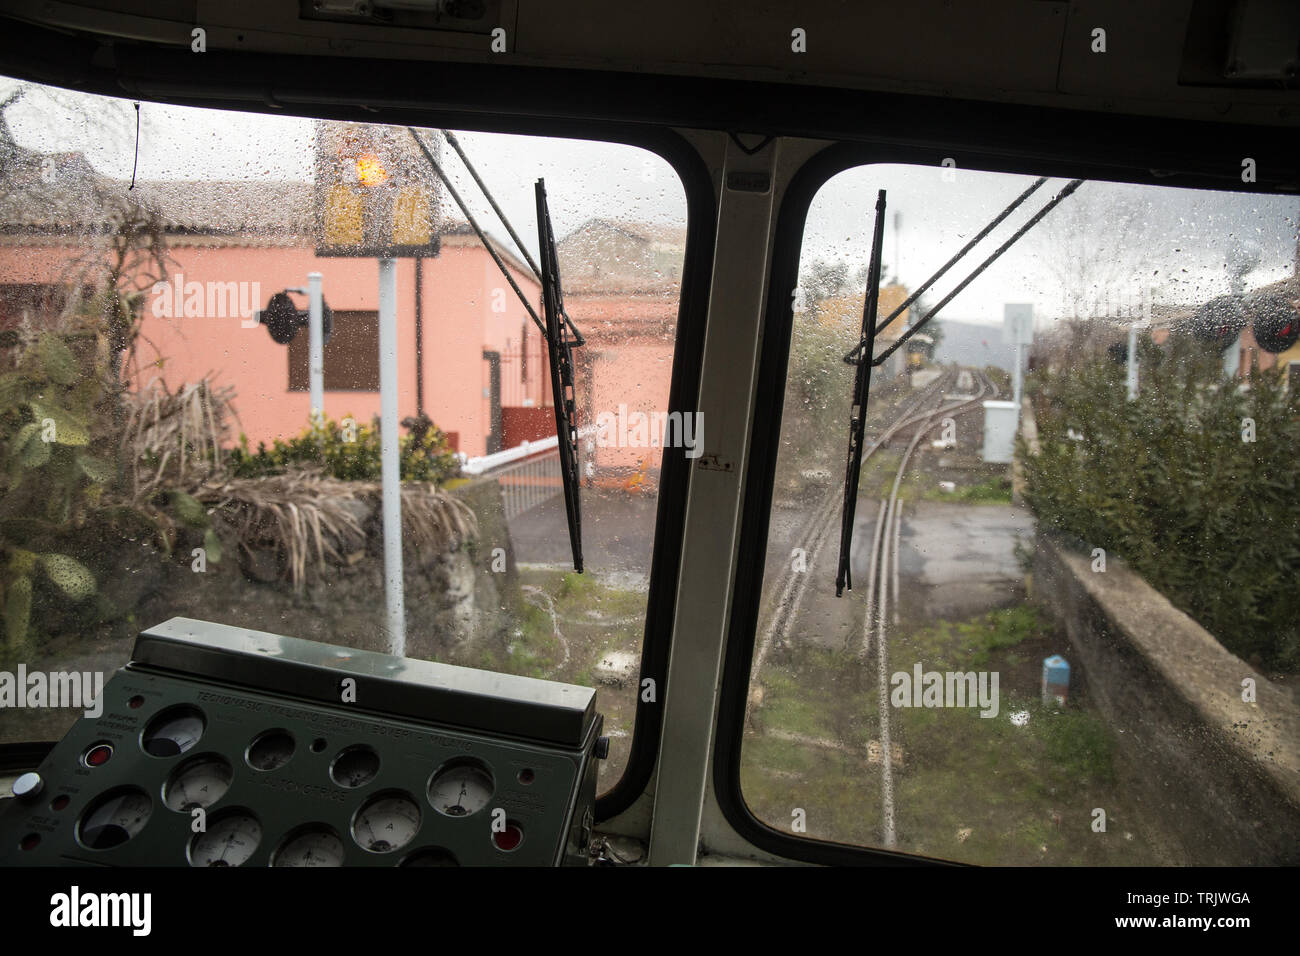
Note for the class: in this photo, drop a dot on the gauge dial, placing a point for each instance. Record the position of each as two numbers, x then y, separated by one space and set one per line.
271 750
461 788
114 818
200 782
313 845
355 767
173 732
386 822
230 840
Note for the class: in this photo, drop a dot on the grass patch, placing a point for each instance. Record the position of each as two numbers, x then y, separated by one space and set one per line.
967 645
969 788
990 491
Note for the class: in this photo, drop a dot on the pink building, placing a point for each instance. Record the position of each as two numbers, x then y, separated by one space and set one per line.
231 246
470 357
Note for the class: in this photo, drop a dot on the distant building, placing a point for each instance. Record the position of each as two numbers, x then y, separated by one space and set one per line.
622 284
846 311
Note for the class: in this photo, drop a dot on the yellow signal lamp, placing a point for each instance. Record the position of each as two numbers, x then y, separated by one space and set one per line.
370 170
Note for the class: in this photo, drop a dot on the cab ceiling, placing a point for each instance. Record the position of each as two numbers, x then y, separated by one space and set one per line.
1226 61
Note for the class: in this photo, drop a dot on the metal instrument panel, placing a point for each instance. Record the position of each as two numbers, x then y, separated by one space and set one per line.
189 769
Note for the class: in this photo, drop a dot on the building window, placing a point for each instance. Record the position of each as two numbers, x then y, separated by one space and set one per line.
351 355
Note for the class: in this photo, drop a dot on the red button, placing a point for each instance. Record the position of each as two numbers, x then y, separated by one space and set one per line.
98 755
509 838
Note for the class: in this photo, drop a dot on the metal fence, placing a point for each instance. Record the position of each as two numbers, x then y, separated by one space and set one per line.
524 377
529 483
529 474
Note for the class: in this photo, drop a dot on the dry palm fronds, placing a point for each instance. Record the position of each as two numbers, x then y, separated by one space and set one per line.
303 516
174 439
433 520
312 519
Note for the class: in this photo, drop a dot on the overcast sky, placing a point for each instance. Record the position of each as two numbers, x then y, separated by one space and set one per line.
1105 242
583 179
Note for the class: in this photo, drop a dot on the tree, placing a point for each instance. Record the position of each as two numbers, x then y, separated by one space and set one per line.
1091 245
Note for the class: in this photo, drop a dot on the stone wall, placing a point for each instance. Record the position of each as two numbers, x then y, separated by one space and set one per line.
454 601
1226 771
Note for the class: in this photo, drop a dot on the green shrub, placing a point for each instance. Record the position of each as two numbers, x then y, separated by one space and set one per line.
350 451
1167 482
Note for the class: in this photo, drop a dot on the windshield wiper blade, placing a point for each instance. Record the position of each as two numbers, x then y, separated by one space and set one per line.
858 415
562 336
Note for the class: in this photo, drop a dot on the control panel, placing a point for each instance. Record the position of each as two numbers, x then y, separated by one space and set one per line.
221 746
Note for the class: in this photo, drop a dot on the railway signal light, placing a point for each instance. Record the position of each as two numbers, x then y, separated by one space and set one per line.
283 319
375 195
1219 321
1275 321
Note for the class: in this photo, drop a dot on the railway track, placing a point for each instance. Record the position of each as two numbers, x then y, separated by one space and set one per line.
795 585
882 579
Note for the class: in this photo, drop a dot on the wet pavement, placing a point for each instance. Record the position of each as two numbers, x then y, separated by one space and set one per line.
956 560
617 533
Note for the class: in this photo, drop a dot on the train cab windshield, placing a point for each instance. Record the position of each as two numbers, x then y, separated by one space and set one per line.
189 468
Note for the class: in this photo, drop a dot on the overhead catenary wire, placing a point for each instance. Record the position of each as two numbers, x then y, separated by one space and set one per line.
487 194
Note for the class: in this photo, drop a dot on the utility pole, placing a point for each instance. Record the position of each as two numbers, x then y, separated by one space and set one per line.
316 354
1131 379
394 585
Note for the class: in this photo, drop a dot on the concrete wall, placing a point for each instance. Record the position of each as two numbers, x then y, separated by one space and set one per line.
1226 771
456 606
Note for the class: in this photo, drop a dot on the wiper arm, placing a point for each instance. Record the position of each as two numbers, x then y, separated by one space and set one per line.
469 217
858 415
1015 237
852 357
562 336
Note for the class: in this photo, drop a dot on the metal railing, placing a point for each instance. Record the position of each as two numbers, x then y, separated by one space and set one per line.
529 483
528 474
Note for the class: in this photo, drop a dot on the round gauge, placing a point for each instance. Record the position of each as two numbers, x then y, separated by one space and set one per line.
231 838
355 767
312 845
200 782
114 818
386 822
461 787
270 750
173 732
430 856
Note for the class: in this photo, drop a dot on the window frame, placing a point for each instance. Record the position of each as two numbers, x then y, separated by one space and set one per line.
700 193
1095 163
